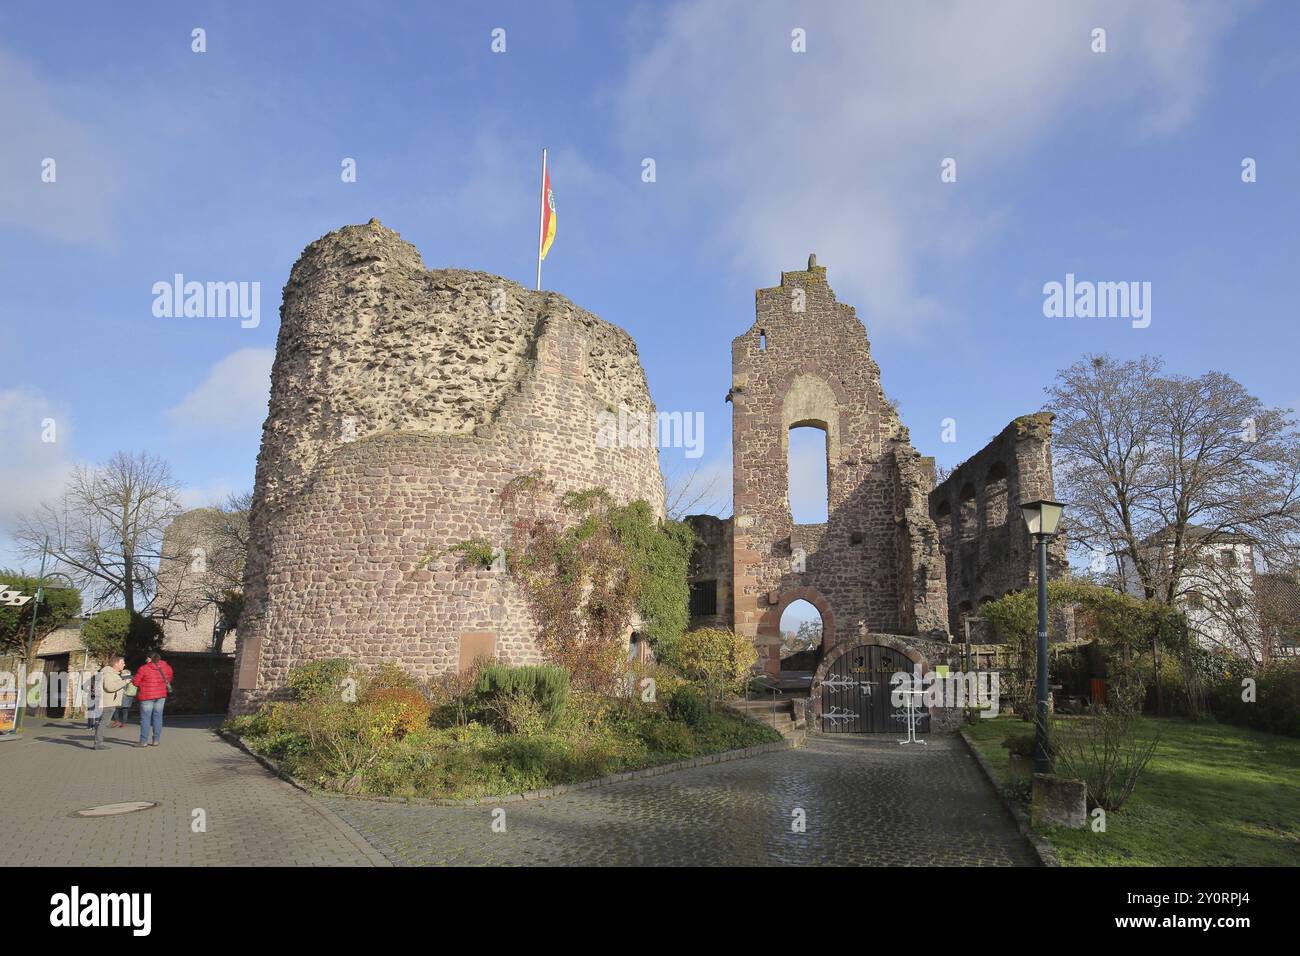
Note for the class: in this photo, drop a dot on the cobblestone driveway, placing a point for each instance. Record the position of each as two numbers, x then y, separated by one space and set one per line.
867 801
253 818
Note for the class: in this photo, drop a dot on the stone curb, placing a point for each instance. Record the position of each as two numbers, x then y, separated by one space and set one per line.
701 761
372 855
1042 849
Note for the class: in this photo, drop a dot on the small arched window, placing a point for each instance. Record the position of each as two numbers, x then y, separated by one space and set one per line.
968 513
995 496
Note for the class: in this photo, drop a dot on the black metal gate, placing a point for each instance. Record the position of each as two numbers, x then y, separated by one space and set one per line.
856 691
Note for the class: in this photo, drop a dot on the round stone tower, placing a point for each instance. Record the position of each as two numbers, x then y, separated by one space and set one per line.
403 401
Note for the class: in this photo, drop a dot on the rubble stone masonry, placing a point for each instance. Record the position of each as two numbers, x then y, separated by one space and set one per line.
876 562
977 512
403 401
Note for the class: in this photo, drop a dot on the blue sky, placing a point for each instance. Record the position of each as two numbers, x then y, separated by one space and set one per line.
1115 166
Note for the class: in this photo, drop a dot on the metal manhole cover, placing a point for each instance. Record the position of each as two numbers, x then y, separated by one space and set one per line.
113 809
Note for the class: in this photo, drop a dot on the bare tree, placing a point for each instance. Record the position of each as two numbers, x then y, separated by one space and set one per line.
807 638
227 534
694 491
202 564
106 530
1149 462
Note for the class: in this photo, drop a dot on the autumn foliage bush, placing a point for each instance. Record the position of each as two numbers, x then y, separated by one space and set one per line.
497 730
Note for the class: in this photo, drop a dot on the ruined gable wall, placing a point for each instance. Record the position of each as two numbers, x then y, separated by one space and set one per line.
807 360
983 536
403 401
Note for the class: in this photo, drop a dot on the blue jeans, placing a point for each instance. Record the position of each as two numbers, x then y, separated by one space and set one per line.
151 713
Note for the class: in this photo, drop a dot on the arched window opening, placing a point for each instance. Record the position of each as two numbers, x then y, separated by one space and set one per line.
801 629
808 482
943 518
995 496
968 513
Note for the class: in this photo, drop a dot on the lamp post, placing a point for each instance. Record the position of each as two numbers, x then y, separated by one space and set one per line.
1042 518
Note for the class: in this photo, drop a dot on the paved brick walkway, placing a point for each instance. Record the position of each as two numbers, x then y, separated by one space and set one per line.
867 801
253 817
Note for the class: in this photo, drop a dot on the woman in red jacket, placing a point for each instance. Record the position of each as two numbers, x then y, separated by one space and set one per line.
154 678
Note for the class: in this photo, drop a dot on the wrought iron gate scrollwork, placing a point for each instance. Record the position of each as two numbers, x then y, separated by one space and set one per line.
855 693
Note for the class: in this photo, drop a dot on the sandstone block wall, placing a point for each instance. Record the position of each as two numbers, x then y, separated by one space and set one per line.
876 561
710 569
987 548
403 401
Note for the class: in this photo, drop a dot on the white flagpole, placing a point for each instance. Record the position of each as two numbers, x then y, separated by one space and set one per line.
541 222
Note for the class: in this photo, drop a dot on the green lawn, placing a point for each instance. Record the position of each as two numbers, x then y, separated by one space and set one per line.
1213 795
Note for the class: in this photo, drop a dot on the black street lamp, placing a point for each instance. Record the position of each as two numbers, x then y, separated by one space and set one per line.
1042 518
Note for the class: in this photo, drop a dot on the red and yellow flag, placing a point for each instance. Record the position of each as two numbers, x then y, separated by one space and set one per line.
548 214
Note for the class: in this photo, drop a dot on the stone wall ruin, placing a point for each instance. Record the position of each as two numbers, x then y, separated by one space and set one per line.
403 401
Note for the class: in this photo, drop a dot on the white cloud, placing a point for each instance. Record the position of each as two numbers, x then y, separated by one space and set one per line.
234 394
32 470
837 150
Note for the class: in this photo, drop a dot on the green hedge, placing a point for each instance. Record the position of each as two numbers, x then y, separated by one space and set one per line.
1276 707
547 686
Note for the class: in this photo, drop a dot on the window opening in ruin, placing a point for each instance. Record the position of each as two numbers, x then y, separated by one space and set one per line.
968 514
808 475
762 340
995 496
855 537
801 628
704 598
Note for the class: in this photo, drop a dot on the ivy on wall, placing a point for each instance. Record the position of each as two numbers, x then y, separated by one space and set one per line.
588 567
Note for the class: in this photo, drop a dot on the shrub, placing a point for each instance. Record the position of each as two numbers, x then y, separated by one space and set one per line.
518 712
114 632
412 709
1103 750
319 680
533 762
668 737
1020 744
273 730
1276 707
586 712
347 739
666 680
473 553
548 686
389 674
686 705
451 695
715 658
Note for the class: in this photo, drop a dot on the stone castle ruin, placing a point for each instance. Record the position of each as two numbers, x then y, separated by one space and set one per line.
898 563
403 400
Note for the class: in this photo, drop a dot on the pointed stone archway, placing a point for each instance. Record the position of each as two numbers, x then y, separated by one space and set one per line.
768 640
